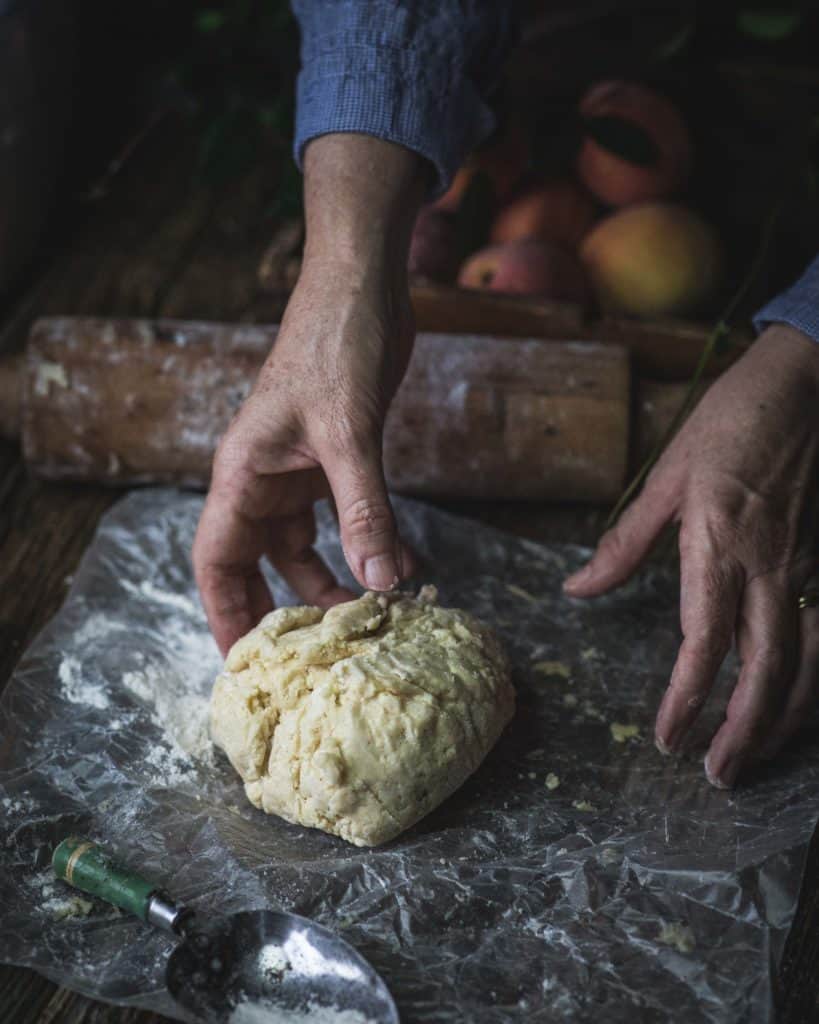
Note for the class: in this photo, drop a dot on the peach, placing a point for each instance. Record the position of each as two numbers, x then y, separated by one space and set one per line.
433 251
527 267
554 211
616 180
653 259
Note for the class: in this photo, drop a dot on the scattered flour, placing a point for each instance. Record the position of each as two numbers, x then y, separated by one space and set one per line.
165 597
183 717
162 682
270 1013
76 689
16 805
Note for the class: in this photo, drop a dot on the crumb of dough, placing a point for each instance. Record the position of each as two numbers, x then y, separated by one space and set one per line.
513 588
680 936
570 700
583 805
552 668
589 653
620 733
72 906
592 711
552 781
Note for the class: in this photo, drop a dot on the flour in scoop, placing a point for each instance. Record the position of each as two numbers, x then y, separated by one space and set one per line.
269 1013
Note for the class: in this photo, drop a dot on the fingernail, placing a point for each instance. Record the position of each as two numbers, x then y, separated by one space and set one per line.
726 777
577 578
380 572
662 746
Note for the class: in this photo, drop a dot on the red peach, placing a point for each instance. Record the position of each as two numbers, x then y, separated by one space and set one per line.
527 267
554 211
616 180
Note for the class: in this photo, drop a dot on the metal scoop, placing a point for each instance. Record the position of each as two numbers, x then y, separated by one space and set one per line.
254 966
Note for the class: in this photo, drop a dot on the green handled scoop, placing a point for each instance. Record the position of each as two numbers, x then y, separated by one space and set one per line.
253 967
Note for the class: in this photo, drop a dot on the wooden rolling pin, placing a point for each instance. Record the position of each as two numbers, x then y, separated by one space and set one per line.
666 349
138 401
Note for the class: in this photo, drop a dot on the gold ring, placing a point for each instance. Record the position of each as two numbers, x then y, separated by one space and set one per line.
809 599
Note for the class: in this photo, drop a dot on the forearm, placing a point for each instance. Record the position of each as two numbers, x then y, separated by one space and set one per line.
361 196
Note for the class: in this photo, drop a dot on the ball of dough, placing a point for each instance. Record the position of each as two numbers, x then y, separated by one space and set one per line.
362 719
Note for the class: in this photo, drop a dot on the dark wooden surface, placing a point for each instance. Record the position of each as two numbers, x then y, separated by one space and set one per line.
157 244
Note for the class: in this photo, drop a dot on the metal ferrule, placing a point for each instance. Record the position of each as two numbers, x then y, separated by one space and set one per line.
164 913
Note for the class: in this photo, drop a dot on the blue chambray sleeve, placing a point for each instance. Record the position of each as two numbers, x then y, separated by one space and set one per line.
798 306
414 72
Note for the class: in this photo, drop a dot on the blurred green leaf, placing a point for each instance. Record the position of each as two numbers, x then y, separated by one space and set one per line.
210 21
722 338
677 41
623 138
768 24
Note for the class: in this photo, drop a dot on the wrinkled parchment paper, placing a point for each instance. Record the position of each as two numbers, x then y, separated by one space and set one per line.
578 876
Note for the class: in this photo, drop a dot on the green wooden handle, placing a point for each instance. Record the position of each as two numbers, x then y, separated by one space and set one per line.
83 864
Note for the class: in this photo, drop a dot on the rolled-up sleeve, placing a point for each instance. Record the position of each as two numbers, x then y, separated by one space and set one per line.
798 306
415 73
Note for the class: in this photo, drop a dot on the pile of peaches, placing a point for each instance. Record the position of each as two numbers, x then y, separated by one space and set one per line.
610 234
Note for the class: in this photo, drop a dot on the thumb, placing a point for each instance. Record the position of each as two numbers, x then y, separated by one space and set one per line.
368 532
622 548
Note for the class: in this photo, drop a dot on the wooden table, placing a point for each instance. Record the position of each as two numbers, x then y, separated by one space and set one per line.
155 245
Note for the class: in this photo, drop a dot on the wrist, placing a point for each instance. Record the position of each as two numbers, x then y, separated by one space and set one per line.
361 198
789 347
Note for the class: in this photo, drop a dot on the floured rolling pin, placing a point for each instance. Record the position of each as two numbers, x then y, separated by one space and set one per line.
138 401
667 349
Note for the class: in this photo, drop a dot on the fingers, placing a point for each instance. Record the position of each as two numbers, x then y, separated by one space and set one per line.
710 590
804 696
226 556
368 532
295 559
767 636
625 545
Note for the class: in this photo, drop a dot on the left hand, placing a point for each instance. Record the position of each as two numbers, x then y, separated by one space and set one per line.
741 478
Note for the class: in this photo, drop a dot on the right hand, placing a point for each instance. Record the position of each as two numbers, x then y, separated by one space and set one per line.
312 428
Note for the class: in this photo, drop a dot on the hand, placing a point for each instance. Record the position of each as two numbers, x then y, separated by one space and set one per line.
312 426
741 479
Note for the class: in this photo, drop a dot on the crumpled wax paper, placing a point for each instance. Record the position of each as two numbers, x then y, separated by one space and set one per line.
574 877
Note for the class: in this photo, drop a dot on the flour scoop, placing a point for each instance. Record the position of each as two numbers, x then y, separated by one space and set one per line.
254 967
